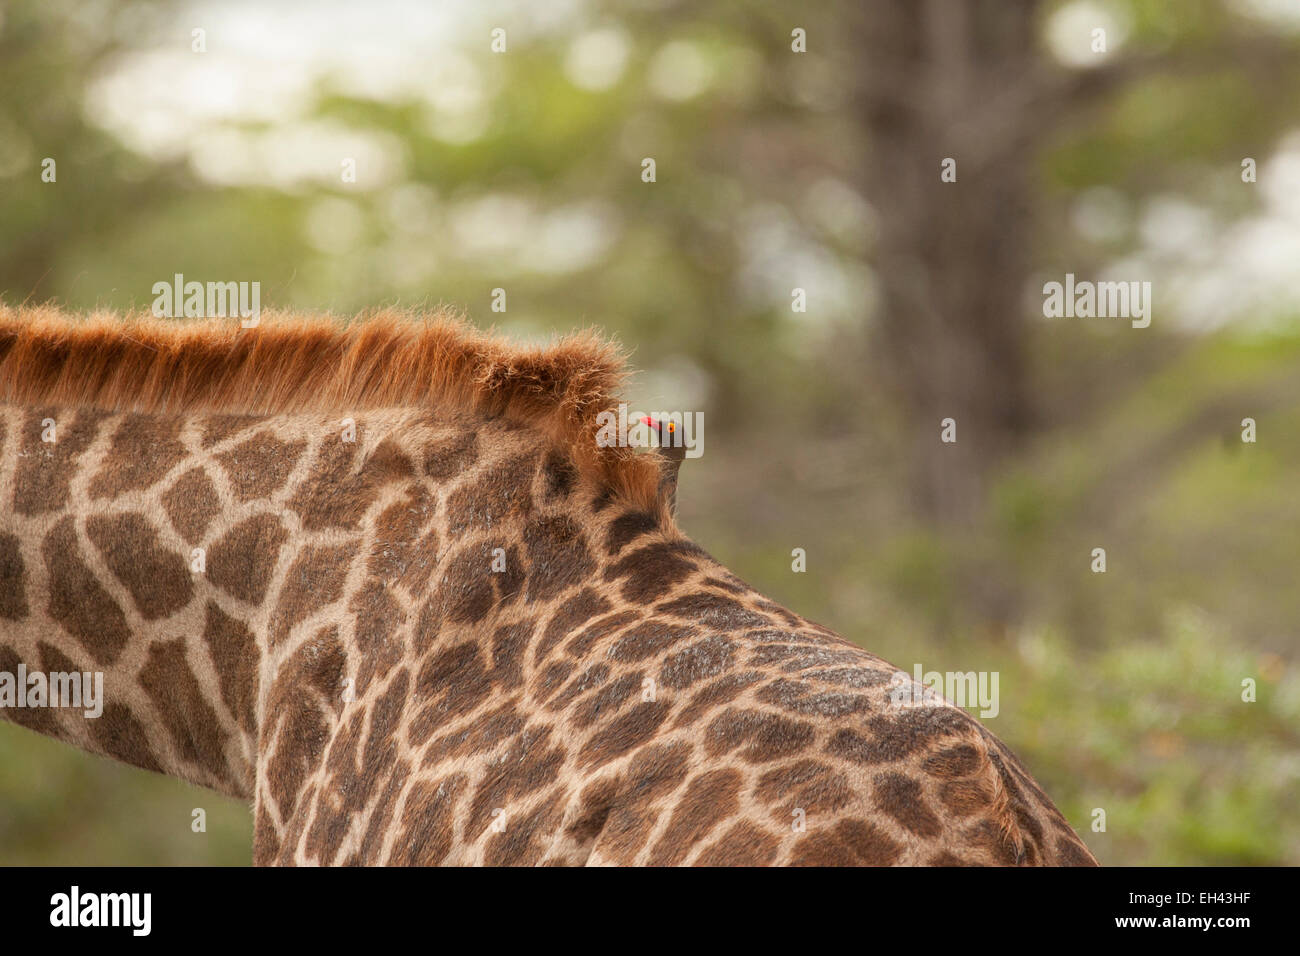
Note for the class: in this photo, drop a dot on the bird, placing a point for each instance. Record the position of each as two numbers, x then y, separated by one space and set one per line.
668 446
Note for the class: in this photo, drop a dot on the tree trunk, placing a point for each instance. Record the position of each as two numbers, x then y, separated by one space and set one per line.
952 256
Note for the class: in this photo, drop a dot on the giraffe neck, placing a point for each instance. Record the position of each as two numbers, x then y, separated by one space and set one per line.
414 639
239 581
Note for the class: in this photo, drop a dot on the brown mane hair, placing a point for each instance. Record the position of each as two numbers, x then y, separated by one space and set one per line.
292 362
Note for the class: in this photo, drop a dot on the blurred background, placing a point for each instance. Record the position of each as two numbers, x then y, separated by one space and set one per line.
219 154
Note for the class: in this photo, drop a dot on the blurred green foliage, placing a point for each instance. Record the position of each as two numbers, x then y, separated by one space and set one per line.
1120 691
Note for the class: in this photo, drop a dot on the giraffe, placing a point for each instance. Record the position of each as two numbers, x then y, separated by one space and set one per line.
377 579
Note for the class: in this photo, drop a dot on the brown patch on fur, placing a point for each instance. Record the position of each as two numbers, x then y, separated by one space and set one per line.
292 363
260 465
217 428
743 845
266 842
702 660
378 638
581 645
195 730
710 798
447 458
455 681
480 735
241 562
343 483
592 812
464 592
120 735
561 477
236 657
627 528
39 719
45 470
654 772
313 581
158 579
891 739
558 556
652 572
647 639
721 691
142 450
900 796
767 736
500 494
78 601
508 646
191 503
851 843
606 701
427 822
396 554
13 579
529 764
960 761
294 712
633 729
577 610
714 611
523 841
806 784
382 812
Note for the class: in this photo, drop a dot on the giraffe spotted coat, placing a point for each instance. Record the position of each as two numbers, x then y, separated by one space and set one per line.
450 641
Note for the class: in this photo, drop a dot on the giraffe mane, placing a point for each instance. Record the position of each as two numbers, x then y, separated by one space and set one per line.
293 362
